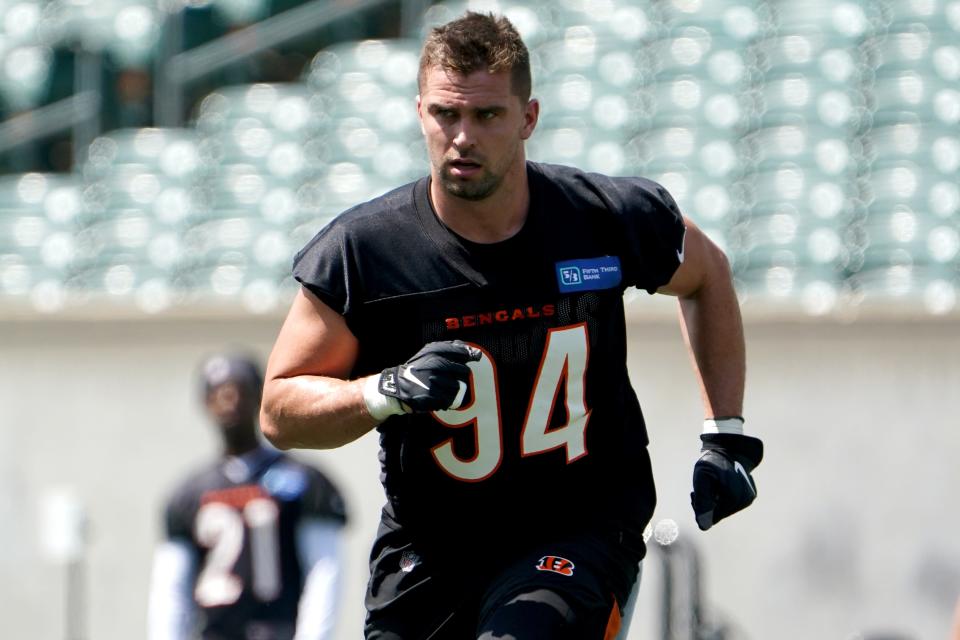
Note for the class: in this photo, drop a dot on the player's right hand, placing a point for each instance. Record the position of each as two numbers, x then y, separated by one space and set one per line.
434 379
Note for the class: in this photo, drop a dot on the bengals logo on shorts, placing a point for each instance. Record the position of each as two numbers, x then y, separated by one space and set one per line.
409 561
556 564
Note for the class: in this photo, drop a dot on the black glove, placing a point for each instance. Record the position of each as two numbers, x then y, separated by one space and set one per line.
722 484
432 380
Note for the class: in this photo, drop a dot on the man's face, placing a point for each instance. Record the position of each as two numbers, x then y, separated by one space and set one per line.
474 127
231 406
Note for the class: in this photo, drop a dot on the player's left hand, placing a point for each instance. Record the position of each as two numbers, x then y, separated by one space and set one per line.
722 484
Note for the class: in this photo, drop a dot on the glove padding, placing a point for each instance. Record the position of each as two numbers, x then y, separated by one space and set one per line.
722 484
434 379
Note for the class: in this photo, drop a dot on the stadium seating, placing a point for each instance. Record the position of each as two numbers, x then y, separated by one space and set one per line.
40 219
25 59
817 143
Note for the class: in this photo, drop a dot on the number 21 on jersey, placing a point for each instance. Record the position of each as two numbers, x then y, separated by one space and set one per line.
563 367
222 529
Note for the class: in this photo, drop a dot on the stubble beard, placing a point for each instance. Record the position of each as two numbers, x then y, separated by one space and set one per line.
479 187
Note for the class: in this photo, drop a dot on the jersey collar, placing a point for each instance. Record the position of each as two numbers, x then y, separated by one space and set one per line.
451 246
247 466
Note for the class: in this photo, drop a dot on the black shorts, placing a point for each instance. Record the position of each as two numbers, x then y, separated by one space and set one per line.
413 596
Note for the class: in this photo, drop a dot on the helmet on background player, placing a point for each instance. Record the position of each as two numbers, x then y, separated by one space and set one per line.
221 368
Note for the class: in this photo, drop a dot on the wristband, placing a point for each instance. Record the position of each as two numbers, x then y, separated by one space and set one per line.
728 424
379 406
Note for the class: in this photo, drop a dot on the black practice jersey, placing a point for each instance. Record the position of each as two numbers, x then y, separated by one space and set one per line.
241 522
550 438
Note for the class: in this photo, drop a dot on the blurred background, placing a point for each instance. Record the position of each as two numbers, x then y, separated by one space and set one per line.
162 160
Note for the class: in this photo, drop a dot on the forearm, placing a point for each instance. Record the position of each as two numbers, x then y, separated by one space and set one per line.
314 412
713 330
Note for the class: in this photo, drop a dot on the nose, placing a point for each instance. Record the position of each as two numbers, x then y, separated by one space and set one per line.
464 138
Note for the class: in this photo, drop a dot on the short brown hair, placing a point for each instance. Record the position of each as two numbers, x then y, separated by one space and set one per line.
478 42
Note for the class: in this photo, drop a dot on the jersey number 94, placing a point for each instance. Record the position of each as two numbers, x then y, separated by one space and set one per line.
563 366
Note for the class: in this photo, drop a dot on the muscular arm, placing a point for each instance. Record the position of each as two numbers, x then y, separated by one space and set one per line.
711 324
307 400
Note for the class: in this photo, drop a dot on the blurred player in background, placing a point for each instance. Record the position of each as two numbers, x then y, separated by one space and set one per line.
252 541
475 318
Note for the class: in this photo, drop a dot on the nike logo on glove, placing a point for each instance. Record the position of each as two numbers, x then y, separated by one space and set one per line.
743 472
408 374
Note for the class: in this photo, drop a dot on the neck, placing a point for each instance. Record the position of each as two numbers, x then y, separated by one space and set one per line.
239 451
240 445
495 218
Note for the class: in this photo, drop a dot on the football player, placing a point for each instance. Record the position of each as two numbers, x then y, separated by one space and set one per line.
252 540
475 319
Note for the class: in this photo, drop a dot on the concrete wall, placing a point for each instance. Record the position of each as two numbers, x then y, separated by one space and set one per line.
854 529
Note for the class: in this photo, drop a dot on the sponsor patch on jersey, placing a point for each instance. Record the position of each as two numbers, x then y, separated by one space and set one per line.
284 482
589 274
556 564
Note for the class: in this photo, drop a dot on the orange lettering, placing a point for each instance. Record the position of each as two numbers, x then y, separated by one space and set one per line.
502 315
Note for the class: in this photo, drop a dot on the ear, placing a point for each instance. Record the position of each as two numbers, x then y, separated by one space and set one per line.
420 114
531 113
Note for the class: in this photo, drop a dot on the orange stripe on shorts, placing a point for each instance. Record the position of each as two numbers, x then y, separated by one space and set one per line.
613 622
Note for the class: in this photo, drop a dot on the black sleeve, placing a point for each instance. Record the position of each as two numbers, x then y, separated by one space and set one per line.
653 231
179 516
321 267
